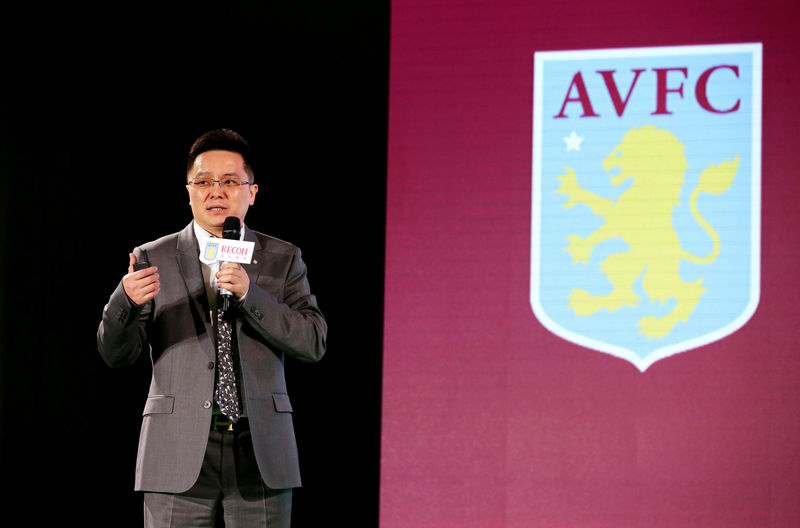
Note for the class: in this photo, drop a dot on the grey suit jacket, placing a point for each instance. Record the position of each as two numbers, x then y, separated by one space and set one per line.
278 317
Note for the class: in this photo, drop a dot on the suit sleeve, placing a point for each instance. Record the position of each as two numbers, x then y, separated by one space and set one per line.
294 326
121 335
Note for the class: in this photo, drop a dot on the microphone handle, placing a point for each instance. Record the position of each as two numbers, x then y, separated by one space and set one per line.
225 296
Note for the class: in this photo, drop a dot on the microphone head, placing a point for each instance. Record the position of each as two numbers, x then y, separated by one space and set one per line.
232 227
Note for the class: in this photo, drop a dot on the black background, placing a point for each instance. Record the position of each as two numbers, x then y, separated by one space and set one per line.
98 107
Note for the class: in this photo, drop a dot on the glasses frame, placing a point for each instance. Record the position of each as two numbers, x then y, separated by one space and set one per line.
234 187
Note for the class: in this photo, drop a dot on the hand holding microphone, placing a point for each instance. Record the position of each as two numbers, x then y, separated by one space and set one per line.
232 279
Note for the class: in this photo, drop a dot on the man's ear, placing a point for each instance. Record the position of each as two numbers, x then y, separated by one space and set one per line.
253 191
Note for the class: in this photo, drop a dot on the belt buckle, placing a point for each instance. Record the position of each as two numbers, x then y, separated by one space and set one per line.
220 422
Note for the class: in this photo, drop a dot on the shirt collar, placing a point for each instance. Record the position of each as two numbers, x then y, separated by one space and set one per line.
202 235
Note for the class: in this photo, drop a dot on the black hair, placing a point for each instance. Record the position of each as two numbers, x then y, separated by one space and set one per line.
222 139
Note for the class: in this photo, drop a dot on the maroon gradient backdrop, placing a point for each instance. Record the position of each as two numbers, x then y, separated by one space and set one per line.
489 420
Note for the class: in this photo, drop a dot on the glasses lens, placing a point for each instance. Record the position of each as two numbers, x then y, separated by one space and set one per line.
202 183
232 183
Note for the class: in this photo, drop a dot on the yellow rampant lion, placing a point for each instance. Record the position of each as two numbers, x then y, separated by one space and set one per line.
642 217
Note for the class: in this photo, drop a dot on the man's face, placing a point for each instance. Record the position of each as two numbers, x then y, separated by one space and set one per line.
211 207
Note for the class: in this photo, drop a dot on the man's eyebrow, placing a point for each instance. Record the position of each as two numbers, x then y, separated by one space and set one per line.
226 174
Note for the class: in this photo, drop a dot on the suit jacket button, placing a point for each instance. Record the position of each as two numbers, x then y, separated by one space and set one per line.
210 365
206 404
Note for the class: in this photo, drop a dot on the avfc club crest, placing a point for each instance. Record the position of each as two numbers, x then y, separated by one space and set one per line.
646 196
211 249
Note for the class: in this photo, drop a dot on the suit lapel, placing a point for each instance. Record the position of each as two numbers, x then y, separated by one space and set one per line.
189 266
254 268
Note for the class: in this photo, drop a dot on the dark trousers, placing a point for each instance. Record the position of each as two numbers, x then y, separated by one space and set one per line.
229 479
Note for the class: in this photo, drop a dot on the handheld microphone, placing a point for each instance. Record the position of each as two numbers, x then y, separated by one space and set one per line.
231 230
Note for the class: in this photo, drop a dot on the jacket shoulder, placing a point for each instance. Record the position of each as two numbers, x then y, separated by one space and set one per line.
166 243
275 245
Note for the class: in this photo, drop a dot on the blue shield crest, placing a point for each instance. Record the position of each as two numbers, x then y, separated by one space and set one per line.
211 251
646 196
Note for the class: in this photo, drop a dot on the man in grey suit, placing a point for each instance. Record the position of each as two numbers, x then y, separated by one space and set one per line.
192 459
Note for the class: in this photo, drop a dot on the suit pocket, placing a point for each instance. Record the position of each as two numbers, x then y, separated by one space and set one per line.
281 401
159 404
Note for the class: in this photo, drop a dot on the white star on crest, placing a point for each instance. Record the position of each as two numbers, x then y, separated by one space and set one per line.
573 141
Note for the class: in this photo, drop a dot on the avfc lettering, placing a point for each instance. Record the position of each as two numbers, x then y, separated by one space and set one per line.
667 81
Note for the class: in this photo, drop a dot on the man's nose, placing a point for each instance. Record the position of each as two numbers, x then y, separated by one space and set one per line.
216 188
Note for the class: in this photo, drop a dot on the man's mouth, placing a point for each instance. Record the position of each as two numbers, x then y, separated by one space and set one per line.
216 209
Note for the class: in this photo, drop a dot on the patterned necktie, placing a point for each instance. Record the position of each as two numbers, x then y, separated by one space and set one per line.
227 391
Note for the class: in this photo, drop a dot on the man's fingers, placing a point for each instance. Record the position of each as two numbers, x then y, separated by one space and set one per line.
141 286
229 269
233 278
143 273
229 266
138 274
151 290
147 279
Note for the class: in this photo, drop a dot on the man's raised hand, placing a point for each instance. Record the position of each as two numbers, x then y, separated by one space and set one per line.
141 286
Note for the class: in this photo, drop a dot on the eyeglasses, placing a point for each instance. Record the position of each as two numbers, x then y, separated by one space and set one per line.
228 184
